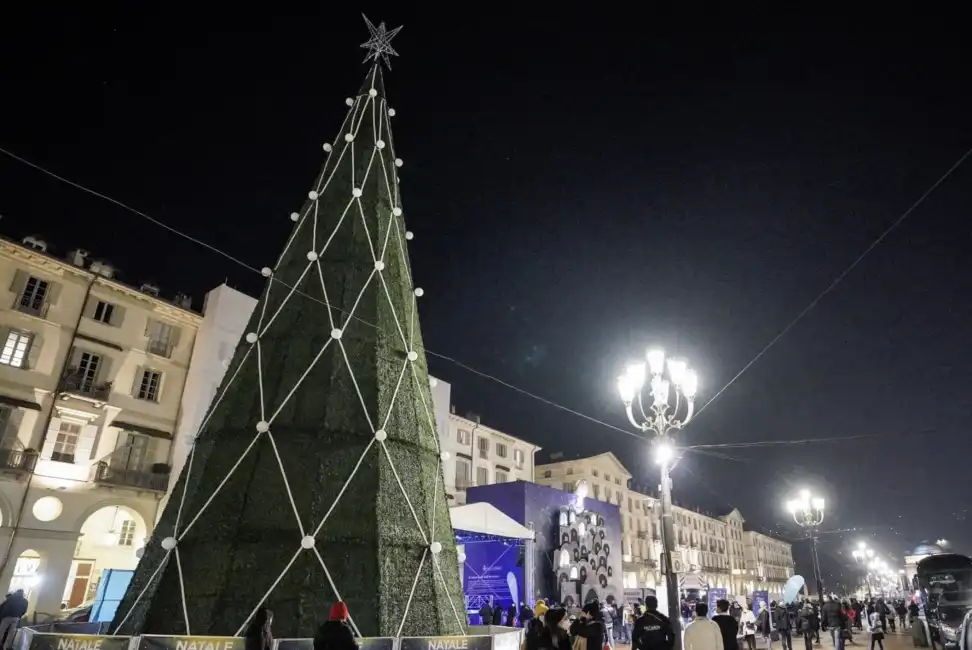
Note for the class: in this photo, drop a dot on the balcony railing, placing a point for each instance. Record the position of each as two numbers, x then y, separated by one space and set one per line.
18 460
28 304
78 383
137 478
160 348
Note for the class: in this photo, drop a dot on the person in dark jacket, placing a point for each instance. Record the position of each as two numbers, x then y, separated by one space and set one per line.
497 614
486 614
781 621
653 630
727 625
764 623
553 636
526 614
593 626
334 633
531 638
511 615
11 611
832 618
806 623
258 635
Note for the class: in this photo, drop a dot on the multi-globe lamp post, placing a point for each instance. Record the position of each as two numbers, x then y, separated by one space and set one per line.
667 407
864 556
808 513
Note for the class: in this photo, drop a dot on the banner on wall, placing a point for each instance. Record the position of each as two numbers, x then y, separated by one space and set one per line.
42 641
446 643
714 595
760 601
159 642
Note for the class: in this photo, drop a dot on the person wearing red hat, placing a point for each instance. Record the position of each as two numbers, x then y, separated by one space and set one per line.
335 633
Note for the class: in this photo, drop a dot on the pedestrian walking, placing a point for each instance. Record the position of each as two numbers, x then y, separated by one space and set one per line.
728 625
805 625
486 614
511 615
781 620
747 627
833 619
701 633
877 630
335 633
764 623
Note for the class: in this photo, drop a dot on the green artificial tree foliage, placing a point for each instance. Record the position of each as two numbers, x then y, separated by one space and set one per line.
338 356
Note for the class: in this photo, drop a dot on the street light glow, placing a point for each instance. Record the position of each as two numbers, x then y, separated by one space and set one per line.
818 503
690 384
861 545
656 360
664 452
676 370
636 372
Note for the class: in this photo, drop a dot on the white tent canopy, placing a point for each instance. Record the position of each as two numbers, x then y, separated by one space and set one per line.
486 519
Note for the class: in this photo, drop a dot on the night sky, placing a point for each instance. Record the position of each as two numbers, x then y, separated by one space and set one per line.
580 186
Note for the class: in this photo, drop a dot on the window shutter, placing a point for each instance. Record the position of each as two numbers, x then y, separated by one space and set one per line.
104 370
11 431
137 382
75 360
85 443
117 316
149 323
50 438
19 282
161 387
175 333
53 293
89 308
33 353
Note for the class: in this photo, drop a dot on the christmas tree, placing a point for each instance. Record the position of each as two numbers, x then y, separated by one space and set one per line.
316 476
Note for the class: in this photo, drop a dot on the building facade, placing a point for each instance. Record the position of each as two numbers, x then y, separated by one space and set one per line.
710 551
477 454
92 373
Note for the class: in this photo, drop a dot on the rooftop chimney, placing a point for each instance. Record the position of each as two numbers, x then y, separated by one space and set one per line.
34 242
102 268
183 300
150 289
78 257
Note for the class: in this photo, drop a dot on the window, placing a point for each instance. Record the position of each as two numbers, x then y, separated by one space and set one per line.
66 442
161 336
594 472
103 312
482 476
607 477
617 481
462 474
33 299
547 474
597 492
134 452
483 447
462 436
501 477
570 470
568 487
518 458
126 536
148 389
15 348
87 371
501 450
630 505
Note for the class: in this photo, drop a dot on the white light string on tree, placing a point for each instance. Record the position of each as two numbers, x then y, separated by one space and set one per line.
362 107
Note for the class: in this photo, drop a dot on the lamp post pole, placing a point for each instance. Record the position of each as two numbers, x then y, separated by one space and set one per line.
672 402
808 512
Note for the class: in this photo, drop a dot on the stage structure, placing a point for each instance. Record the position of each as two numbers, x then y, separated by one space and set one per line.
316 474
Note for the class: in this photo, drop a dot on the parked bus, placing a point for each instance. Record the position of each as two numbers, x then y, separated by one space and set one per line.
944 584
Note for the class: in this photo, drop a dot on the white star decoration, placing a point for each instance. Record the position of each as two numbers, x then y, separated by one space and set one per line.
379 45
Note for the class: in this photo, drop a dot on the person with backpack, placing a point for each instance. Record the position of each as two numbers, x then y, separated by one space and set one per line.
781 621
806 623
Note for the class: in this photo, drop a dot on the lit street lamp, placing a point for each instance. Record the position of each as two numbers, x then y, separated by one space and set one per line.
862 554
670 405
808 512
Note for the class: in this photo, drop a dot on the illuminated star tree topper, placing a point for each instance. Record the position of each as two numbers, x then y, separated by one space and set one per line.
379 45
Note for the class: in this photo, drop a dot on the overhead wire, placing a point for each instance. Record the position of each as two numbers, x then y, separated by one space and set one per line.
813 303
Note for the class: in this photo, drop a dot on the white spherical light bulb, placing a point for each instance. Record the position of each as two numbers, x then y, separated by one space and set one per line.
398 162
263 426
349 137
409 235
251 337
327 147
419 292
413 356
445 456
391 112
461 556
336 333
349 101
356 192
307 542
380 435
312 195
380 144
372 92
294 216
266 271
397 212
379 266
433 382
435 547
312 255
169 543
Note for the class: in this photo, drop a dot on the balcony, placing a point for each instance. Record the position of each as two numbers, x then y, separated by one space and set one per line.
643 534
29 304
141 479
160 348
483 452
82 384
17 460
